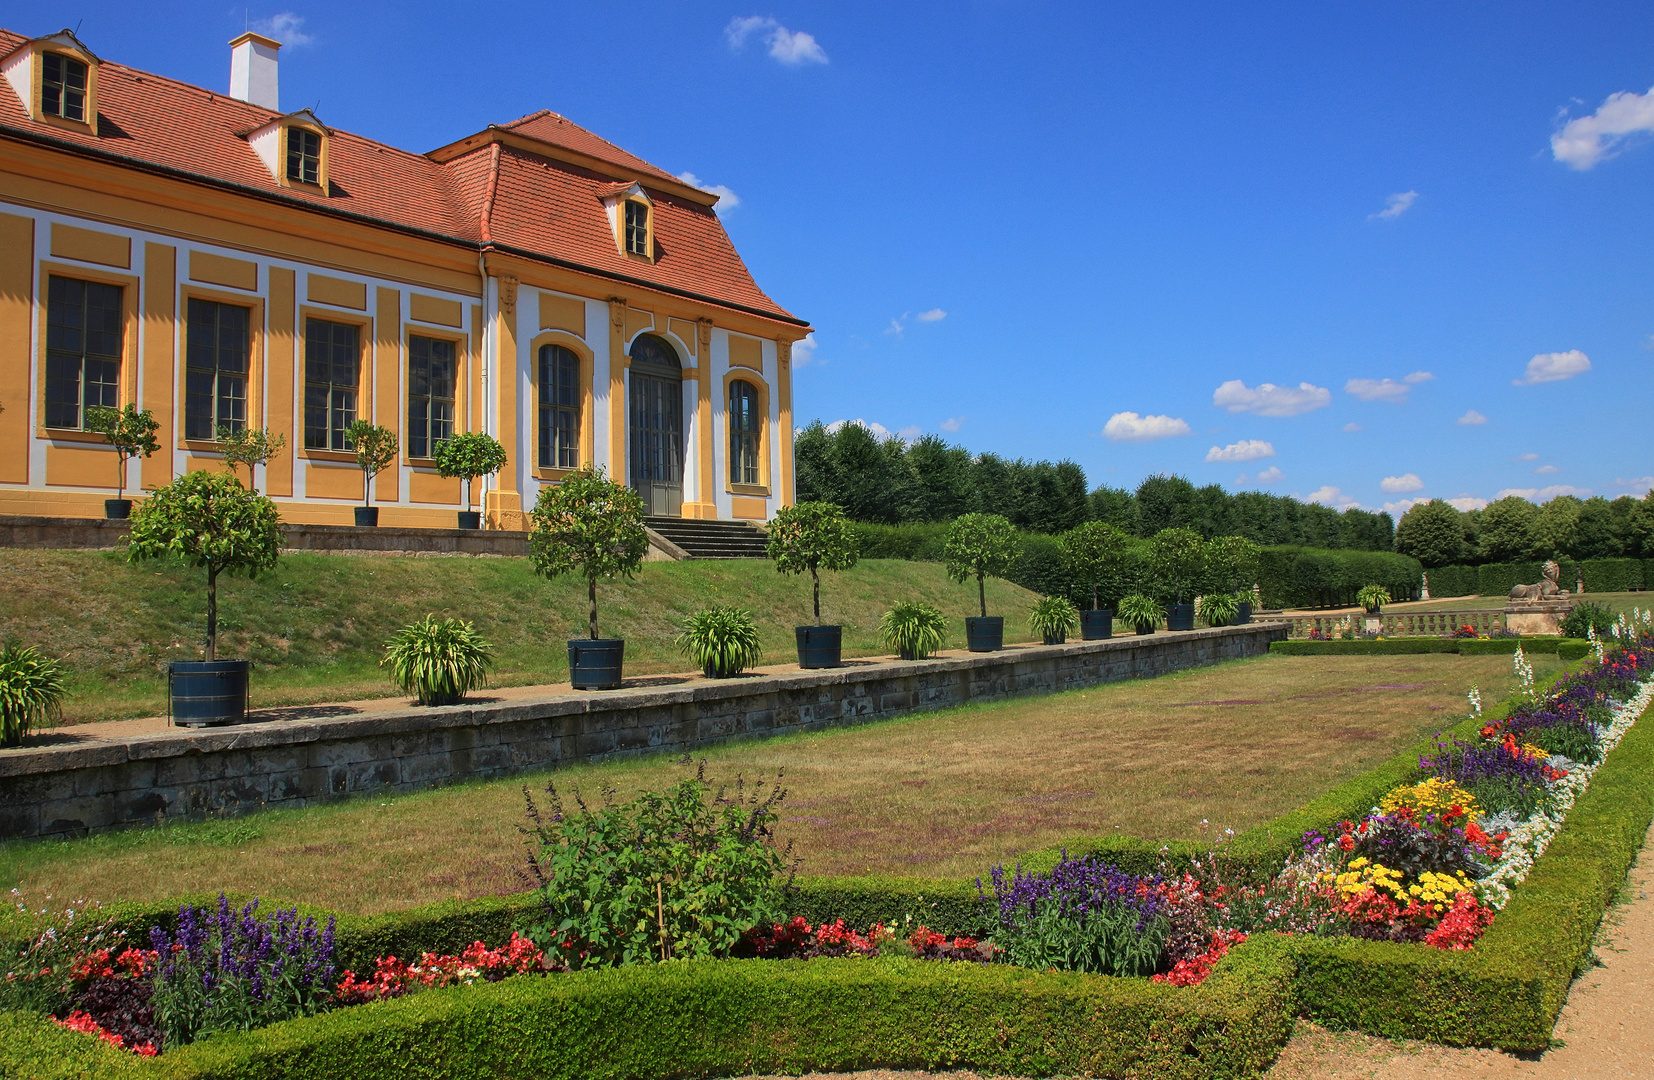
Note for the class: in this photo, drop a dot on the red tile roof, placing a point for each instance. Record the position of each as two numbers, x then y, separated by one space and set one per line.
541 208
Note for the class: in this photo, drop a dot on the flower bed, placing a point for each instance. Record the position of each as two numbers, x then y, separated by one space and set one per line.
1474 949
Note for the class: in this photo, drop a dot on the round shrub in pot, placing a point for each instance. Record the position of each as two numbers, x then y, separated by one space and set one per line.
1142 613
438 661
131 431
1091 552
376 451
722 639
981 546
1179 558
1053 618
469 457
914 630
589 525
814 536
215 524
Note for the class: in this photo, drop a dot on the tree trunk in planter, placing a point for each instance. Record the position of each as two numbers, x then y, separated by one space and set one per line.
117 509
596 663
819 646
204 693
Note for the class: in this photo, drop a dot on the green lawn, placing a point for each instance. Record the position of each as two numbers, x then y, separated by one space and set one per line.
942 794
316 625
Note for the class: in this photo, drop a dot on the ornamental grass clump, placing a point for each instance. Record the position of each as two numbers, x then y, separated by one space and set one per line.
1085 915
438 661
235 970
914 630
31 691
1218 609
674 874
1054 618
1142 612
722 639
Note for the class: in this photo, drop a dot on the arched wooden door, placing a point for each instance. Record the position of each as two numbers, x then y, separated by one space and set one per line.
656 419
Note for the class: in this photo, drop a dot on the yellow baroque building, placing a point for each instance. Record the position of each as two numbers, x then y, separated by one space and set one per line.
222 263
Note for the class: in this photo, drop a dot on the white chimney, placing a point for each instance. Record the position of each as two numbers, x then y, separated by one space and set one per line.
253 70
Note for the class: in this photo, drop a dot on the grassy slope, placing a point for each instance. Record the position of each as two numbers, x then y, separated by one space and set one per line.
940 795
316 624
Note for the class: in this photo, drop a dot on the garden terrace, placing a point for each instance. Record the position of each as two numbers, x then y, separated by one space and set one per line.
939 795
315 626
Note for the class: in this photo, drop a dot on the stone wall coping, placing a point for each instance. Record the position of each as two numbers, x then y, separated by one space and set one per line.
40 761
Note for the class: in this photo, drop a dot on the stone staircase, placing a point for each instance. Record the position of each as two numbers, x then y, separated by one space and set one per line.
709 539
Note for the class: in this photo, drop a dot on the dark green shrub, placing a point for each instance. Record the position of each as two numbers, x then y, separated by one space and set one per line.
1587 616
1448 581
677 873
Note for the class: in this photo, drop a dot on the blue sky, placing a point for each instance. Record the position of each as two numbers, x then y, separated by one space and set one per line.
1097 231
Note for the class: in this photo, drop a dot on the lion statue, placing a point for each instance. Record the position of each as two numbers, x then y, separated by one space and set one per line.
1547 588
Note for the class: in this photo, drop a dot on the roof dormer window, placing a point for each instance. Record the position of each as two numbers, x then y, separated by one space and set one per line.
637 228
304 156
63 86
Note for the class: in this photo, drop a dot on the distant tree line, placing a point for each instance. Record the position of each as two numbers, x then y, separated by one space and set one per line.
895 482
1513 529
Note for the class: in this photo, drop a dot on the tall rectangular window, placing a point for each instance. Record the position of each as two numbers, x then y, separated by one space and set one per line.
83 349
217 348
430 394
637 227
304 156
332 373
559 408
743 432
62 86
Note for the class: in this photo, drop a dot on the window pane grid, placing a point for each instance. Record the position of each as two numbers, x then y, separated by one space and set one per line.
217 351
637 228
332 361
304 156
431 372
743 433
83 349
63 87
559 429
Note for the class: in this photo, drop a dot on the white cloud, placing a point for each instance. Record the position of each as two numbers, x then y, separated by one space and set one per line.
1398 485
1270 475
1546 470
879 431
1331 496
727 199
1395 206
787 46
1418 377
1526 457
1554 367
286 28
804 351
896 328
1245 450
933 315
952 423
1270 400
1352 426
1586 141
1400 506
1544 494
1472 419
1466 502
1637 484
1129 427
1381 389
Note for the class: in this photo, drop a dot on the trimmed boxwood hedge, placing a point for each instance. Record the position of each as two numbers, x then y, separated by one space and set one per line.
732 1017
1417 645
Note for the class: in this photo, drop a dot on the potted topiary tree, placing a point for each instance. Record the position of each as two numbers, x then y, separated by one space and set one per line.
375 451
1232 565
1178 557
981 546
212 522
814 536
469 457
131 431
249 446
589 525
1091 552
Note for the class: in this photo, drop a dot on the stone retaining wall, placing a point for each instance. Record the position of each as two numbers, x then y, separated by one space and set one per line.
103 784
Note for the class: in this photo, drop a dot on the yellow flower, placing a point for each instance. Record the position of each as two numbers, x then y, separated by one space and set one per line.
1431 796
